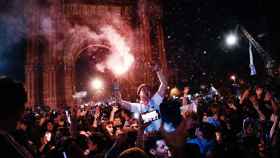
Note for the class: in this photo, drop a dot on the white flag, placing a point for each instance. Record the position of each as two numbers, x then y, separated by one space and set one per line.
251 65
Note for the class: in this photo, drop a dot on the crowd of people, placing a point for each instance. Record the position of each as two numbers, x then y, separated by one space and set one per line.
239 120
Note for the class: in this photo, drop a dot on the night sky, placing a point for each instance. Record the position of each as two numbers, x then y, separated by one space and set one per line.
194 33
12 39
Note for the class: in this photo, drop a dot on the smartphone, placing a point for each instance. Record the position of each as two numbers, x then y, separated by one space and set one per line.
64 154
218 137
48 136
149 116
68 116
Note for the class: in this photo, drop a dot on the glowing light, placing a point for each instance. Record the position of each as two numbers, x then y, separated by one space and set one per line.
233 77
120 64
175 92
231 40
97 84
101 67
136 115
121 58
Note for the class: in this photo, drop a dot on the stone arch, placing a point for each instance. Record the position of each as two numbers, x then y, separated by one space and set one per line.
72 51
64 47
100 45
70 58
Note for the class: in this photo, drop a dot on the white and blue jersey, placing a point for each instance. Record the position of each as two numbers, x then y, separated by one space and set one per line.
153 104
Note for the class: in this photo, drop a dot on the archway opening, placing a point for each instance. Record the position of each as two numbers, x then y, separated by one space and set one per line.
88 77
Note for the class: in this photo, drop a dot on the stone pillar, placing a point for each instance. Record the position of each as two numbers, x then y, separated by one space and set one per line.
49 86
69 83
53 83
161 46
46 86
30 85
145 36
31 70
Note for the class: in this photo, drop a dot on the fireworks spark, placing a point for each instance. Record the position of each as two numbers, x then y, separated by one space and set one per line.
121 59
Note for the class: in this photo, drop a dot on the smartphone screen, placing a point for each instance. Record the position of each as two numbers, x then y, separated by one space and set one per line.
48 136
150 116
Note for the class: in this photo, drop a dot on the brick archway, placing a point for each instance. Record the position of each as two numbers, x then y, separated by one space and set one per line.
70 60
143 17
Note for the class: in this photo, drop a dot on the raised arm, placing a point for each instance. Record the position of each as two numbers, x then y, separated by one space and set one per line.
274 126
96 117
163 82
113 112
125 104
244 96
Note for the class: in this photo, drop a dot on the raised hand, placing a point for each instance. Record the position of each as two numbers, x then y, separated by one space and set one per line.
244 96
115 109
156 68
97 112
246 93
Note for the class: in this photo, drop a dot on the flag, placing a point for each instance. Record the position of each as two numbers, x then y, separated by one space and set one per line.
251 65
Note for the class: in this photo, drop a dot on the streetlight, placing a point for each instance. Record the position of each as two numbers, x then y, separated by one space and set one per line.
232 40
233 78
97 84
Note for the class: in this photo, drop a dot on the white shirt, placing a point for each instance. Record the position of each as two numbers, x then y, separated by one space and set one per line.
153 104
